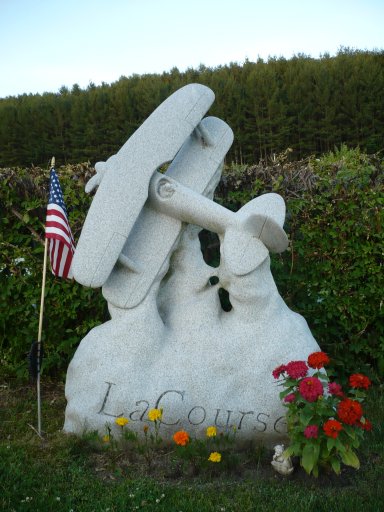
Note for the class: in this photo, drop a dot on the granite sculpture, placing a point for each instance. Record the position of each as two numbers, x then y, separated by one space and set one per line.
169 344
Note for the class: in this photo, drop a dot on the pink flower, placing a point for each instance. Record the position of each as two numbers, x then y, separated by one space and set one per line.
290 398
335 389
311 388
311 431
278 371
296 369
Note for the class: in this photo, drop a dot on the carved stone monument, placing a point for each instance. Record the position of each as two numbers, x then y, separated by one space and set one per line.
169 344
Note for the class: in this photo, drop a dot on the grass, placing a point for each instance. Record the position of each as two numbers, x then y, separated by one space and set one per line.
64 473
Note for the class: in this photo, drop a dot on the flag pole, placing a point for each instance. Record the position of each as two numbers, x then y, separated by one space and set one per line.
39 336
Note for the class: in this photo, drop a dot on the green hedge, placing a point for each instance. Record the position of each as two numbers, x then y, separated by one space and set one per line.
70 309
332 273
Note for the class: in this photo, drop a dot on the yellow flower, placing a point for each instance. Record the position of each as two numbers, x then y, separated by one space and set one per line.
106 438
155 414
121 421
215 457
211 431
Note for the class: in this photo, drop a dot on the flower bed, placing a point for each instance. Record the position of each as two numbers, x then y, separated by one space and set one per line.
326 423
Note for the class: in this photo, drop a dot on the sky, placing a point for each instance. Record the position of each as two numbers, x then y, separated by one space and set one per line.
47 44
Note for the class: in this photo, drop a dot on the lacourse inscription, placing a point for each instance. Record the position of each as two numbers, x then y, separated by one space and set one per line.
169 343
194 416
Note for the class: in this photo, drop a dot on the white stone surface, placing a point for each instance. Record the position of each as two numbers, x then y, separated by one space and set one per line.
169 344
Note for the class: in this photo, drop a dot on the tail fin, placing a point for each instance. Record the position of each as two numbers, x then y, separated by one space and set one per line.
258 232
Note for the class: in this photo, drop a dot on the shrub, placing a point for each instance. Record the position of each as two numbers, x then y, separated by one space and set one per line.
332 273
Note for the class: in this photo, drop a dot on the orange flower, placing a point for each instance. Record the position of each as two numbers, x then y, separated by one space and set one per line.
181 437
358 380
332 428
318 360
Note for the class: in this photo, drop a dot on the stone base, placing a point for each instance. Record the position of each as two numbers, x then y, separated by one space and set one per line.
208 374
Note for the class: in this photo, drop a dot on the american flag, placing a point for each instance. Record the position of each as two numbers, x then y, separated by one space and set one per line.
57 230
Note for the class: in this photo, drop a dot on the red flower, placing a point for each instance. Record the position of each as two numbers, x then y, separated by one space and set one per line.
367 425
318 360
311 388
278 371
335 389
311 431
349 411
332 428
290 398
296 369
358 380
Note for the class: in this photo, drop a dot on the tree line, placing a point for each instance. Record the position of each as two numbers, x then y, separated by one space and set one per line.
310 105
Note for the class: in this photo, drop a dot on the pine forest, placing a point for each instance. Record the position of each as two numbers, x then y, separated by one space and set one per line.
308 105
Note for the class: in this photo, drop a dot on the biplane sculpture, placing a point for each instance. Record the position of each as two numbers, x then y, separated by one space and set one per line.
169 337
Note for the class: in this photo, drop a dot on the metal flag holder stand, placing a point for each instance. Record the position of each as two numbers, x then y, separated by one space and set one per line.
39 350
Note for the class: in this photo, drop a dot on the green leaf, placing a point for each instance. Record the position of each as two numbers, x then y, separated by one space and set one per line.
293 449
350 458
350 431
308 459
288 452
316 451
331 443
339 445
335 463
306 419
